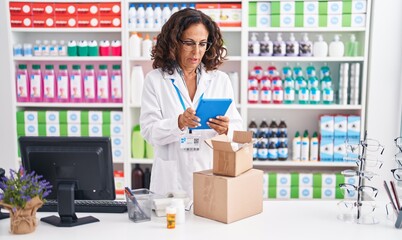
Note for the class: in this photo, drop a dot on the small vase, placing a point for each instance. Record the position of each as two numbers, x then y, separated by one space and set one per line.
23 220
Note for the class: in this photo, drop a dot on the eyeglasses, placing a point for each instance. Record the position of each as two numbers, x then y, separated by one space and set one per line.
368 190
370 145
190 45
349 212
397 172
369 161
398 143
366 174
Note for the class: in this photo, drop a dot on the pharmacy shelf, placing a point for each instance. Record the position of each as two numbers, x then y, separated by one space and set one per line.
304 106
68 105
304 59
302 29
304 164
137 59
62 1
157 30
69 59
72 30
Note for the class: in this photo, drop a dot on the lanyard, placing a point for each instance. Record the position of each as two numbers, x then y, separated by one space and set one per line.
180 97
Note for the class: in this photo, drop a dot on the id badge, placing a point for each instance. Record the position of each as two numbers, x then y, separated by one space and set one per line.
190 142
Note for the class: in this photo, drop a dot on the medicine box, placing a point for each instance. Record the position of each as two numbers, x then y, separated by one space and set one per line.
305 192
310 20
230 15
95 130
117 154
340 126
116 129
327 126
334 20
109 21
326 150
228 160
283 7
84 21
52 117
52 130
20 8
283 179
73 130
328 180
310 7
87 9
353 127
117 142
355 6
95 117
43 9
116 117
339 149
283 192
228 199
74 117
306 179
210 9
119 182
328 193
65 21
65 9
109 8
354 20
21 21
334 7
263 8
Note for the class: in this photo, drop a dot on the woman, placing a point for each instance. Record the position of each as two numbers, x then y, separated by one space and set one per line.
188 51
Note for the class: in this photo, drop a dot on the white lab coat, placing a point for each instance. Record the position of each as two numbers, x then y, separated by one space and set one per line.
173 168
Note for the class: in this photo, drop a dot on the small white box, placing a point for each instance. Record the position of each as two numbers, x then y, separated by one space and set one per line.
52 117
359 6
116 117
263 8
340 126
287 7
95 130
74 117
334 20
73 130
352 180
328 180
283 192
116 129
52 130
358 20
306 179
287 20
117 142
283 179
117 154
334 7
263 20
31 130
339 149
327 126
95 117
326 150
310 7
31 117
306 192
353 127
328 193
310 20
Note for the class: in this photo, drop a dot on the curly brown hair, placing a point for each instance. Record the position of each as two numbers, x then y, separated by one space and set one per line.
166 51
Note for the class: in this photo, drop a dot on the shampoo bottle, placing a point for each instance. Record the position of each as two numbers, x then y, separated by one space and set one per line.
253 45
320 47
266 46
279 46
292 46
336 47
352 47
305 47
146 46
314 147
296 147
305 146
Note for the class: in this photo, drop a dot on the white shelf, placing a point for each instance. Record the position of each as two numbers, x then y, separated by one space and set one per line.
157 30
71 30
305 59
69 59
289 163
304 106
141 160
142 59
302 29
69 105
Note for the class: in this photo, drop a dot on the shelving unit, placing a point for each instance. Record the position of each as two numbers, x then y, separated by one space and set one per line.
297 116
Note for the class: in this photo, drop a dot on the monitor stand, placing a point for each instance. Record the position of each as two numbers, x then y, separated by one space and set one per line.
66 209
3 215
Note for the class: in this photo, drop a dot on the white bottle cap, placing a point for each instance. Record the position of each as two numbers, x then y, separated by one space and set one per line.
171 210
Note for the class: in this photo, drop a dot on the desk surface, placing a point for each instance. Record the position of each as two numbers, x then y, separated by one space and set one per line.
279 220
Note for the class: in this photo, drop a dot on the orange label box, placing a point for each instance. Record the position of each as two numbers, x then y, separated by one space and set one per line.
109 21
42 9
109 9
21 21
87 21
20 8
230 15
65 21
65 9
42 21
87 9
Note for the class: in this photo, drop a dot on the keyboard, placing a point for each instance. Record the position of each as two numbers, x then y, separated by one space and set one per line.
95 206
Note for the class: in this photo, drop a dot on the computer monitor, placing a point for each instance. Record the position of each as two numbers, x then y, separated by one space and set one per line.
78 168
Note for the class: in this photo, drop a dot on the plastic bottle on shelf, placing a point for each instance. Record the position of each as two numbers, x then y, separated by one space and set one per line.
27 49
175 8
62 88
115 48
116 93
147 178
53 48
83 48
283 153
305 47
132 16
252 90
282 127
326 81
137 177
136 82
140 23
166 13
343 83
327 95
336 47
178 203
35 83
253 127
272 152
93 49
314 146
22 83
289 95
264 126
253 45
266 93
277 95
72 50
310 71
17 50
149 16
192 5
45 48
303 95
146 46
292 46
49 84
37 50
89 84
102 84
286 71
262 152
305 147
266 46
315 95
296 147
157 16
352 47
134 45
62 48
273 127
76 85
279 46
320 47
183 6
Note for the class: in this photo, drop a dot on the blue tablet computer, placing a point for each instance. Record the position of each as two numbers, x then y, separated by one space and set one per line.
211 108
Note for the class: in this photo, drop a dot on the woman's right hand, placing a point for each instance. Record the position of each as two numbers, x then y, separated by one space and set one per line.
188 119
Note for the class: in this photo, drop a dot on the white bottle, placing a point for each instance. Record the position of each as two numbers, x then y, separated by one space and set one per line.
149 16
62 48
305 147
134 45
140 16
165 13
178 203
146 46
336 47
296 147
53 48
314 147
292 46
157 16
132 16
320 47
136 82
183 6
305 47
37 50
279 46
254 45
45 48
266 46
234 79
175 8
192 6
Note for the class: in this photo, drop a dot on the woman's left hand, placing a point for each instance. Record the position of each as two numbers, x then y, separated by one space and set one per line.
220 124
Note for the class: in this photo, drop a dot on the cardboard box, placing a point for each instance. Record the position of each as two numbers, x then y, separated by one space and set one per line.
228 199
44 9
64 21
66 9
42 21
230 15
87 9
21 21
87 21
109 21
110 8
228 161
20 8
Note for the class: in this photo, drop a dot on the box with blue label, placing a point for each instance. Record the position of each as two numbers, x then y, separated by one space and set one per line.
52 130
52 117
353 127
334 20
283 7
327 126
116 117
306 192
73 130
339 150
118 154
117 142
74 117
340 126
116 129
306 179
310 7
326 150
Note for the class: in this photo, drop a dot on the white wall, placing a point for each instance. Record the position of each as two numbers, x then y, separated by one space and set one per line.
384 104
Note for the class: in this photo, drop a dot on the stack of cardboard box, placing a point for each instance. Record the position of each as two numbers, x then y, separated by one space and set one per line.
232 190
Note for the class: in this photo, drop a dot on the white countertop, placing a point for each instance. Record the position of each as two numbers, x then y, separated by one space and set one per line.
279 220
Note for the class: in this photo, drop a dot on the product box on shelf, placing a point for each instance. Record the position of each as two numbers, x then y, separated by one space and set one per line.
228 199
232 158
355 6
74 130
87 21
109 8
43 21
43 9
109 21
119 182
65 9
353 131
283 20
339 149
263 8
21 21
20 8
283 7
309 20
309 7
326 149
327 126
340 126
210 9
230 15
87 9
259 20
65 21
354 20
334 20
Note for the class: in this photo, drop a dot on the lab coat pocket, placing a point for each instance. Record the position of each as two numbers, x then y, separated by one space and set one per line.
164 176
